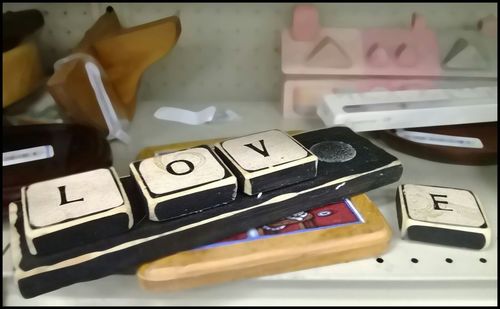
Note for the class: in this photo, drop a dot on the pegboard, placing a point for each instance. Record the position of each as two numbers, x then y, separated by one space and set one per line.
229 52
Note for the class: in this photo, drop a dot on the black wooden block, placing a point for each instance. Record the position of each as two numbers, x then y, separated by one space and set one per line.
267 161
348 164
183 182
74 210
440 215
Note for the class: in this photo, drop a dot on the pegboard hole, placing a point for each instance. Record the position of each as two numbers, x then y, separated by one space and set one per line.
483 260
414 260
380 260
448 260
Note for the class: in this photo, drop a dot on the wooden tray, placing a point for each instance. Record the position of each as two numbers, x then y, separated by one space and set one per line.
347 239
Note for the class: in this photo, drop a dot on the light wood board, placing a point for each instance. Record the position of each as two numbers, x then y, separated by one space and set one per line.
262 257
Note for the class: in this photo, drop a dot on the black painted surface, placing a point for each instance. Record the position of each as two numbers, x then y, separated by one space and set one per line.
82 234
283 178
192 203
446 237
369 158
398 207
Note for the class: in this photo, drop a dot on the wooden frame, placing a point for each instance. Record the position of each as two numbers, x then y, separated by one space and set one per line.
273 255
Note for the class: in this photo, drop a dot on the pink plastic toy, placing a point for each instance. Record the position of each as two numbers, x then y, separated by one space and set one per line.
318 61
488 26
305 24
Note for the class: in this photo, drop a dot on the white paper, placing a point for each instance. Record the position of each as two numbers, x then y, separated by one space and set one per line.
185 116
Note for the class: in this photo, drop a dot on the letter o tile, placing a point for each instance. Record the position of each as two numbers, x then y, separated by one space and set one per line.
173 184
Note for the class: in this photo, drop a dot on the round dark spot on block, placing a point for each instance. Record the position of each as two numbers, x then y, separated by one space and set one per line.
380 260
414 260
483 260
448 260
109 9
333 151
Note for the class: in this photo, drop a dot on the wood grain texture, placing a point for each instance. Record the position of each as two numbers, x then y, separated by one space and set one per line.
262 257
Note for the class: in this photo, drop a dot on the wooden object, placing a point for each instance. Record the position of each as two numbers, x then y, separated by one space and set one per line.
18 25
173 184
488 26
322 244
74 210
464 56
396 52
440 215
267 160
75 148
124 54
21 73
486 132
318 61
152 151
305 24
358 166
329 53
